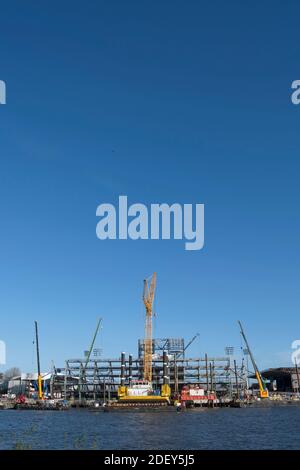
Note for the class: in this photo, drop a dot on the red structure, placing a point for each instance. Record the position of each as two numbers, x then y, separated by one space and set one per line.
193 394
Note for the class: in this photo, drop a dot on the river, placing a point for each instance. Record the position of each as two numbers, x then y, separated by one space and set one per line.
224 428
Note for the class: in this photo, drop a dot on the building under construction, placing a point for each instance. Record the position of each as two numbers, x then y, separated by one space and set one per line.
159 371
101 378
158 374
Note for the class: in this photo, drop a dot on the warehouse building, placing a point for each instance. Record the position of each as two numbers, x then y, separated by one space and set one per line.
282 379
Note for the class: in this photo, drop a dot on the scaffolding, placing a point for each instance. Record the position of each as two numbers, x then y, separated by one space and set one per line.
99 379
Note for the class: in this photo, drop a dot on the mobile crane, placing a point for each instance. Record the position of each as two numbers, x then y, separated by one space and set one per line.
263 391
40 388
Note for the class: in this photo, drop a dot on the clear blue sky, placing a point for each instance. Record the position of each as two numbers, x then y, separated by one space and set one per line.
165 101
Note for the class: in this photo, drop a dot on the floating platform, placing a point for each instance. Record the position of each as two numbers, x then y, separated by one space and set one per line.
42 406
7 405
149 402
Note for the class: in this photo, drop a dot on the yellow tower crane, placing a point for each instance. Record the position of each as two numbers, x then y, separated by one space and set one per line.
140 392
148 299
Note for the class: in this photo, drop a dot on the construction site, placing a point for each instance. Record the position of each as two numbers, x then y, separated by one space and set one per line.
162 374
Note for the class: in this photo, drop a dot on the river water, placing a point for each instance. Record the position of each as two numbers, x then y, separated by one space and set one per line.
225 428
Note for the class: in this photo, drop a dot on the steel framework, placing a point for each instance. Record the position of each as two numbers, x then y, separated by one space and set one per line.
99 378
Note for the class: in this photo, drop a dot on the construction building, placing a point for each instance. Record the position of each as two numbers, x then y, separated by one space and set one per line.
101 378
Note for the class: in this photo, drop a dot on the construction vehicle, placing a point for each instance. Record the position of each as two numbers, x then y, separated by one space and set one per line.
40 389
85 377
142 391
263 391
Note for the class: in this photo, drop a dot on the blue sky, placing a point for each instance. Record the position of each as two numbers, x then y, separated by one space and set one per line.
166 101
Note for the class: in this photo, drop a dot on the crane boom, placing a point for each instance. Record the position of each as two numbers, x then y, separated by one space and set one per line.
92 344
40 390
188 345
262 386
148 299
191 341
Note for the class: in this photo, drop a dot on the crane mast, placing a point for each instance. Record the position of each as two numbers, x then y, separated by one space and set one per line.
148 298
